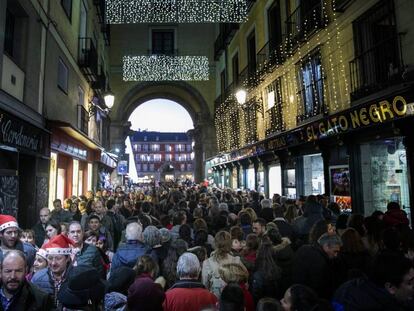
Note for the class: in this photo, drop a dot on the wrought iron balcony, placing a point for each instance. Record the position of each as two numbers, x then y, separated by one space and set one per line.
305 19
376 68
166 52
269 57
88 59
248 77
274 120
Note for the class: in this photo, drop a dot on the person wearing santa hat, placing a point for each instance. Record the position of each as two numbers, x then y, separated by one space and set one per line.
9 238
50 279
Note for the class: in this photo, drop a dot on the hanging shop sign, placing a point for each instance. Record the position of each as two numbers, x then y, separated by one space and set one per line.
370 114
20 134
367 115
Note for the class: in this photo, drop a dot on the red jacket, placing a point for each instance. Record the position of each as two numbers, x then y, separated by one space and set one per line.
188 295
395 217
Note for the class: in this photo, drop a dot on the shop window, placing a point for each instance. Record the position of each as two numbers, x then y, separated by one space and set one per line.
310 80
63 74
275 180
313 175
290 183
251 184
384 175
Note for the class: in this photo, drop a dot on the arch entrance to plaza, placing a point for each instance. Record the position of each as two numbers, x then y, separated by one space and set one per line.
182 93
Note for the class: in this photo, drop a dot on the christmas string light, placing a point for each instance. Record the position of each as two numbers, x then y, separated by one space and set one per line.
165 68
175 11
316 39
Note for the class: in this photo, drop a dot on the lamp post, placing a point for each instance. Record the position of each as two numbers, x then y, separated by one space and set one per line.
109 99
241 96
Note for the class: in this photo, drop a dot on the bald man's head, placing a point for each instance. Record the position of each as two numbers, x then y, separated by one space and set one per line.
44 215
13 271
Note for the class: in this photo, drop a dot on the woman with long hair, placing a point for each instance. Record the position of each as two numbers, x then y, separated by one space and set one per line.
222 255
267 274
169 265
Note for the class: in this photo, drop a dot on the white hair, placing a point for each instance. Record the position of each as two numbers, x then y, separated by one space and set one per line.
188 266
133 231
266 203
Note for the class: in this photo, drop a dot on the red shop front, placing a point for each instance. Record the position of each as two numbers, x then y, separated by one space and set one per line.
72 160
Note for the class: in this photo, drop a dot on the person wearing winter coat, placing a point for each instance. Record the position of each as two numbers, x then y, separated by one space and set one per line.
188 294
210 273
390 287
128 253
312 265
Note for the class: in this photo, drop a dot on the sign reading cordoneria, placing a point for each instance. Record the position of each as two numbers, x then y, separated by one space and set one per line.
19 134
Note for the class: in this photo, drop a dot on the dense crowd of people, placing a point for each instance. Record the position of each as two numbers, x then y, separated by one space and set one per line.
191 248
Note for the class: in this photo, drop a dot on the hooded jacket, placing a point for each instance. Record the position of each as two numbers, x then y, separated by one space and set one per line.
128 253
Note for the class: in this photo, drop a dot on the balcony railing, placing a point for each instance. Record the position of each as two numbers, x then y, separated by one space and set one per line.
270 56
88 59
248 77
307 17
376 68
163 52
274 120
83 119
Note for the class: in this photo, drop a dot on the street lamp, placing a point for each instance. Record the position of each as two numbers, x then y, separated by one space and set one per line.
109 99
241 96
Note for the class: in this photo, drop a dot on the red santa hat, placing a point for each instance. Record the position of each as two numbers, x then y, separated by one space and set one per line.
59 245
7 221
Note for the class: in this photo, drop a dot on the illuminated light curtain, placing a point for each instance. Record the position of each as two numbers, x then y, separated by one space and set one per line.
175 11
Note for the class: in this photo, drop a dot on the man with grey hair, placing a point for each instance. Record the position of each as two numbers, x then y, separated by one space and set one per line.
188 294
128 253
312 265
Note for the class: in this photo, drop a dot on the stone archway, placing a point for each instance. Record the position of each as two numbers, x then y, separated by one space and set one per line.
182 93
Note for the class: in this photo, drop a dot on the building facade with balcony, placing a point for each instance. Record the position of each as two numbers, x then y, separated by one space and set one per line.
54 73
162 156
329 102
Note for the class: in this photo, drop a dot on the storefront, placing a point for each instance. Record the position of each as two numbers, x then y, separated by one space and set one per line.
362 157
24 160
106 166
73 162
275 179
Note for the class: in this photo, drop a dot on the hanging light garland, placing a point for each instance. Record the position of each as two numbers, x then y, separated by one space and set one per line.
165 68
175 11
321 32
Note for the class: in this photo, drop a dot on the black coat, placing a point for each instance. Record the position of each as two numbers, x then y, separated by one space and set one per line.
40 234
312 267
363 295
31 298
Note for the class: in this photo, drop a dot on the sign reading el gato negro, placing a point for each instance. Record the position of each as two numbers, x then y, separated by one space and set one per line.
346 121
19 134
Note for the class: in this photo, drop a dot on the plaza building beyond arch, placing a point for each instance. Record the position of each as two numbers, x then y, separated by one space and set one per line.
182 93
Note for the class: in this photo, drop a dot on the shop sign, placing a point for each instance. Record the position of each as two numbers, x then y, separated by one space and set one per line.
352 119
250 151
367 115
17 133
122 167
